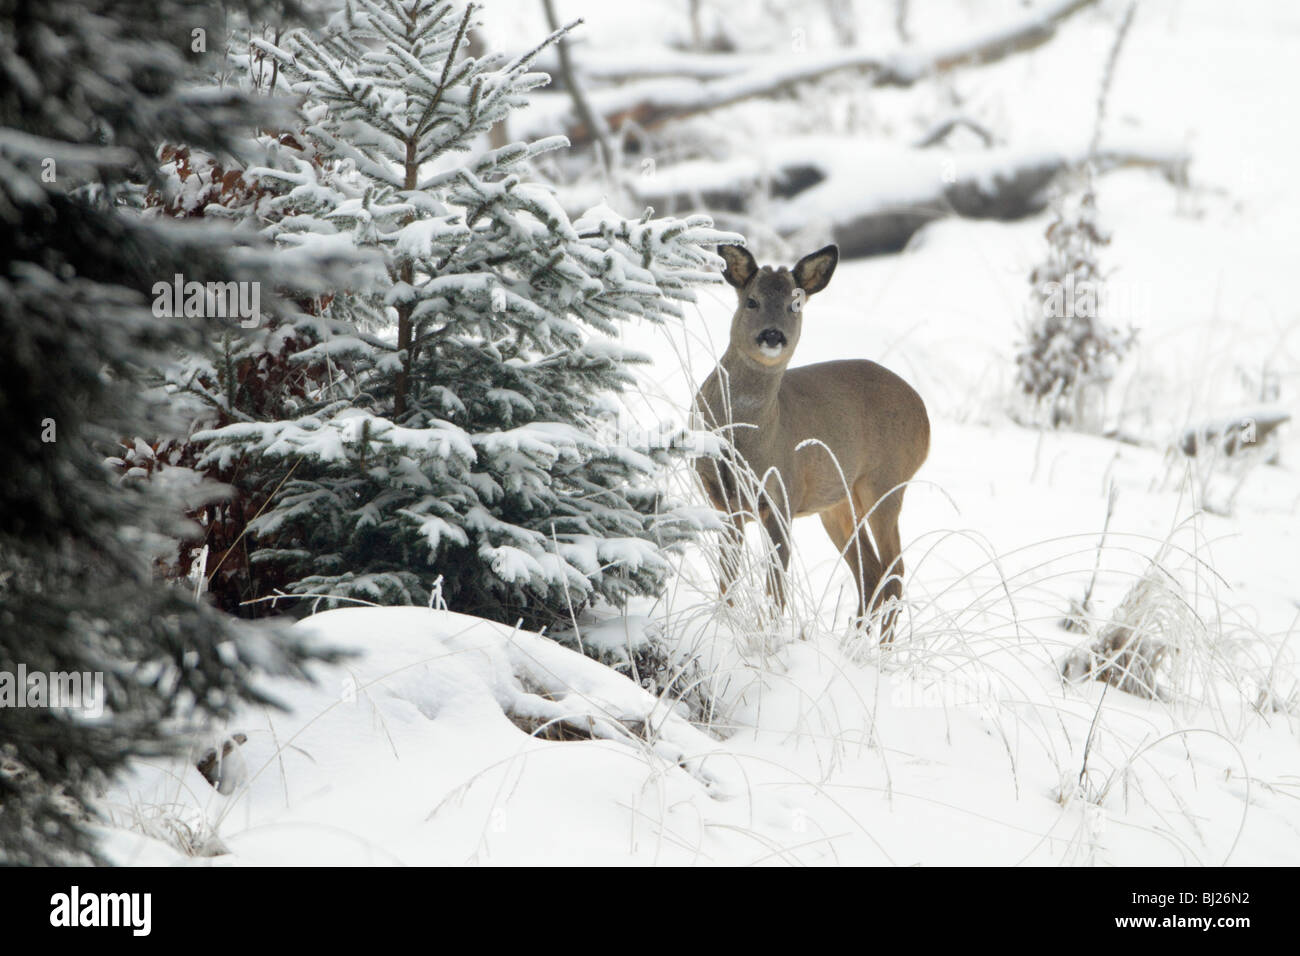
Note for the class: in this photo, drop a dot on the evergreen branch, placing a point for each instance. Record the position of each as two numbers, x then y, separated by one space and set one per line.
461 31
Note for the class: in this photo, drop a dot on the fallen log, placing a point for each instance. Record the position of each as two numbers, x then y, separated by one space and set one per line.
871 199
1231 434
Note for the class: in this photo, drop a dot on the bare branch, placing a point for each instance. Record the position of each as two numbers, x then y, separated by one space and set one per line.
593 123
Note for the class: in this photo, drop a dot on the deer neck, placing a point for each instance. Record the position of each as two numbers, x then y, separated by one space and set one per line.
751 390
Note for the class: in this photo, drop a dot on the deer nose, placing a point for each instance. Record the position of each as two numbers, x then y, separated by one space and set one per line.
772 338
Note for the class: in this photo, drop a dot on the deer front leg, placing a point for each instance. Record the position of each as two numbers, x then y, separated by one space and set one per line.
776 525
732 539
730 556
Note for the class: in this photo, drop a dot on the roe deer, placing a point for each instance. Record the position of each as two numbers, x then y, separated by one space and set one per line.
836 439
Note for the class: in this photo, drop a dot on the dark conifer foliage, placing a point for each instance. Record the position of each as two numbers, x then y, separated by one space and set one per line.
88 92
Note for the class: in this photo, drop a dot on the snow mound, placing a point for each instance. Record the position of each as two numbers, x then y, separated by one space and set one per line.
408 751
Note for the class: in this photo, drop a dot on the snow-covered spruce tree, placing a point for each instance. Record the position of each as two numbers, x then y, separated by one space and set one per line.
87 91
457 452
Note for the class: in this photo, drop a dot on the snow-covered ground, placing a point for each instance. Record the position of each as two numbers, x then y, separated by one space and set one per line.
962 744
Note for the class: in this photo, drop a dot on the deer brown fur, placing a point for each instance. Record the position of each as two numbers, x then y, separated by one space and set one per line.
836 439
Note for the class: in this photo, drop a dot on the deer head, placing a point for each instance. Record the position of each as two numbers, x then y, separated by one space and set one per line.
769 312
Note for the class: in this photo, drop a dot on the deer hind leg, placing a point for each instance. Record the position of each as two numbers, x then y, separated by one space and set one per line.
842 524
884 528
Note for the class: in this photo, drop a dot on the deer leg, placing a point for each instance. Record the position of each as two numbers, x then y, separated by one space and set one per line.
855 548
884 528
732 540
730 553
775 525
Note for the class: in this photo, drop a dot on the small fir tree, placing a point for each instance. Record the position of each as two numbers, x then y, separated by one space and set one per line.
1069 347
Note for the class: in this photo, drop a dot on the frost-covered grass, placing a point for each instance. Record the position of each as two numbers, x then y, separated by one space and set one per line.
961 744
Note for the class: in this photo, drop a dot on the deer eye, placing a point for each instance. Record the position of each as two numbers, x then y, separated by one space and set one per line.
751 303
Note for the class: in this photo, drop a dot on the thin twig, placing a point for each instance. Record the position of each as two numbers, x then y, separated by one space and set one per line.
243 531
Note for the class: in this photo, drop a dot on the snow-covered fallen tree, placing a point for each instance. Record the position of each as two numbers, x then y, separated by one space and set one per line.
1230 434
872 199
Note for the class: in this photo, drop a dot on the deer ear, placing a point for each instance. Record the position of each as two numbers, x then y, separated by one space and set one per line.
813 272
740 265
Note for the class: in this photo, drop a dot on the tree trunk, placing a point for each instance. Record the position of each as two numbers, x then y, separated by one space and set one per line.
406 273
